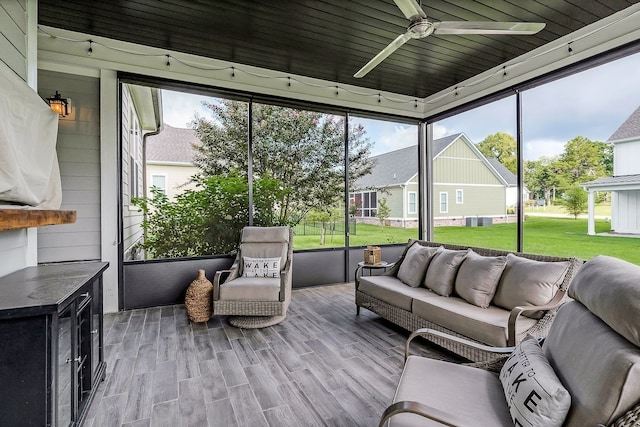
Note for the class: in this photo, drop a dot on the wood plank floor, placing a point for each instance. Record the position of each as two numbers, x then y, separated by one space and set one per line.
322 366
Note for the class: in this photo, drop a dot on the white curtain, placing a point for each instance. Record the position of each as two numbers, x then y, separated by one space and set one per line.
29 172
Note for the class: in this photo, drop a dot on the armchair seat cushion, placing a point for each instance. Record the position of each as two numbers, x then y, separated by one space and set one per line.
487 325
251 289
475 396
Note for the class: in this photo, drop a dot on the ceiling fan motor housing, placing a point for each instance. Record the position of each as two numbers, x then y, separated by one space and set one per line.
420 28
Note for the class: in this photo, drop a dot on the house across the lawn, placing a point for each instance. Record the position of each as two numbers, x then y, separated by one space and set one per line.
624 185
169 164
466 184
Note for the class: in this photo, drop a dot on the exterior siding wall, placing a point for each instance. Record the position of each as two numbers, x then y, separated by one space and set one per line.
625 158
626 209
458 167
178 177
78 149
13 35
13 52
459 164
131 155
394 196
478 200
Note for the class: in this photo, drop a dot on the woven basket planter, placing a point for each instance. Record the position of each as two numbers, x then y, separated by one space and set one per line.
198 300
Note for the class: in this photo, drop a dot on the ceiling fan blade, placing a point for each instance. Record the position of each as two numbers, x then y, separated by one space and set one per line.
399 41
487 27
411 9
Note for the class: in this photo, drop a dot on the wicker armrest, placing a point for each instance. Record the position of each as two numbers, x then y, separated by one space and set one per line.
216 282
425 332
421 409
517 311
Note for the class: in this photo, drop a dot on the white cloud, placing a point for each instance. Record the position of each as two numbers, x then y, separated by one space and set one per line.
440 130
395 136
537 148
179 108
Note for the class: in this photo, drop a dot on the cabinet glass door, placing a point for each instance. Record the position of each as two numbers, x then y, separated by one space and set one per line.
96 329
65 368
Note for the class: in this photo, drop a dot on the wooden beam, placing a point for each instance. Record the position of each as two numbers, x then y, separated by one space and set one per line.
11 219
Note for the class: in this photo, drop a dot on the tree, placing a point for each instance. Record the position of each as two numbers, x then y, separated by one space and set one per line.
501 146
542 179
206 220
585 160
575 200
304 150
383 212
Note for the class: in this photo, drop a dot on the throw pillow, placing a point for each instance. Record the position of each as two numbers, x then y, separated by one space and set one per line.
478 278
415 263
535 395
442 271
261 267
529 282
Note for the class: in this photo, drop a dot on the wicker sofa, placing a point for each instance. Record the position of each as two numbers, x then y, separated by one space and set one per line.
585 373
492 297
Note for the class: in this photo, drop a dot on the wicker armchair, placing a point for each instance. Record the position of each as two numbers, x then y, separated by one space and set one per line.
593 347
256 291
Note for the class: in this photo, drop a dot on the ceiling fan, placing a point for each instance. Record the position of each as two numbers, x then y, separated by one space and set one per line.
421 27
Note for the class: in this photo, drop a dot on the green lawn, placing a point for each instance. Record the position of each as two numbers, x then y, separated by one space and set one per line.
600 210
365 235
542 235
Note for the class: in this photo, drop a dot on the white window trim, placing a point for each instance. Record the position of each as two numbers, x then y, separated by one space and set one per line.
166 181
446 196
461 192
415 203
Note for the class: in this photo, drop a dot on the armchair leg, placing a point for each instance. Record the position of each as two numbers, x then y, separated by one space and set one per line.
357 310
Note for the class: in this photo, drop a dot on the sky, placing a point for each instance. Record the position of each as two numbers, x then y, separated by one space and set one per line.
593 104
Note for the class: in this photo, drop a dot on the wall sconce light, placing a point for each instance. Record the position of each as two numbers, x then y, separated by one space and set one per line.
59 104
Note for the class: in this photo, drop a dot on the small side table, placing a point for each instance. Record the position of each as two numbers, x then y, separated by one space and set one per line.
362 265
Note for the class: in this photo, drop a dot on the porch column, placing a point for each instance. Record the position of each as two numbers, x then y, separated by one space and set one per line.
591 231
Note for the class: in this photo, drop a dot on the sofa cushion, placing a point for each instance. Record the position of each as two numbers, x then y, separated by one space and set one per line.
529 282
442 271
478 278
251 289
599 367
415 263
599 285
533 392
444 386
487 325
390 290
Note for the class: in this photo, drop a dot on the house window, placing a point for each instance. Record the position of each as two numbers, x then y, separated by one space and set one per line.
413 205
459 197
444 202
135 156
160 182
366 203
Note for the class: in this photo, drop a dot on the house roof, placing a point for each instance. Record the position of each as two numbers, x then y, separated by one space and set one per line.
330 39
510 178
173 145
630 128
399 166
612 181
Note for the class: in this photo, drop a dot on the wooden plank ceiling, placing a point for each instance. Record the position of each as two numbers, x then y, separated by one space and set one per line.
330 39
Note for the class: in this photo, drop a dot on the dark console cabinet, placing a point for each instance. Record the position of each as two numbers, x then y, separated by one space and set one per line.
51 353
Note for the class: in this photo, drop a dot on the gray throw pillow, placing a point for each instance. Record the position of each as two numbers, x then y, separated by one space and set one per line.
478 278
415 263
442 271
529 282
534 394
608 287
